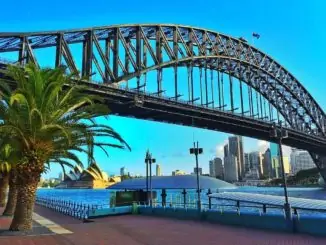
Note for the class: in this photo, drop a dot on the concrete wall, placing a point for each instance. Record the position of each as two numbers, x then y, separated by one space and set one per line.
307 224
109 211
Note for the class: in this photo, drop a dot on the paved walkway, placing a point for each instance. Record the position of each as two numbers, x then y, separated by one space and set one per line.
142 230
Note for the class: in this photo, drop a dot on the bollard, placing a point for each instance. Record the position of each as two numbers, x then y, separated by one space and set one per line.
209 198
238 206
163 195
184 193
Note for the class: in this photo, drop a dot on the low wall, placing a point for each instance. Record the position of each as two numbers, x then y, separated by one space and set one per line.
309 225
312 225
96 213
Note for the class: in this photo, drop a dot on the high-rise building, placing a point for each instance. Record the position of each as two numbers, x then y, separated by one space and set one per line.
287 165
267 164
212 168
247 163
158 170
236 149
219 168
231 169
277 167
226 150
123 171
300 160
256 162
216 168
200 171
274 150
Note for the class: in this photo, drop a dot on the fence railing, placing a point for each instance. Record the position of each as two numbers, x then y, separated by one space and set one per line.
70 208
179 199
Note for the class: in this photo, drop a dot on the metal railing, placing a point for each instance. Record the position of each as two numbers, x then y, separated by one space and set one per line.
186 199
77 210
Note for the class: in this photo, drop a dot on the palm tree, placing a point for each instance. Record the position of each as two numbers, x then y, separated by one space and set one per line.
49 118
4 182
12 195
8 158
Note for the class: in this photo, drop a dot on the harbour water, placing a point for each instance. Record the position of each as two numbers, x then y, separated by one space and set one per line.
102 197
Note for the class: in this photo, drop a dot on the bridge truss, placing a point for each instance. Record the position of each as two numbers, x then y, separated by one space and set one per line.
218 78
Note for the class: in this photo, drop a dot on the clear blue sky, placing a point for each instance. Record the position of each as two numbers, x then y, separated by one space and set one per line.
293 32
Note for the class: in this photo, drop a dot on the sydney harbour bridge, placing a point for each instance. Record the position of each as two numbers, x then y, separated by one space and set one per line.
182 75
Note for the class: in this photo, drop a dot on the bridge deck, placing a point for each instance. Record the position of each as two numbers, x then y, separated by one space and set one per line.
299 203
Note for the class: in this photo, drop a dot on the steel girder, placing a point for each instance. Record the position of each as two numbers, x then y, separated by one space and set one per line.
123 52
182 45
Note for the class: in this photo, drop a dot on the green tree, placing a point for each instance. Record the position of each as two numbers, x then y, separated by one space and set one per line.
48 117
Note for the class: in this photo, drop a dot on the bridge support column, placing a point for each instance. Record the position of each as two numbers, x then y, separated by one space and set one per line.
320 161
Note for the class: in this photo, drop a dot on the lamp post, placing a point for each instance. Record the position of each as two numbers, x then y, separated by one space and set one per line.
280 134
196 151
149 160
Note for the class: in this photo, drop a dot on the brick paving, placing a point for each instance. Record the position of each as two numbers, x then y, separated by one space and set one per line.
142 230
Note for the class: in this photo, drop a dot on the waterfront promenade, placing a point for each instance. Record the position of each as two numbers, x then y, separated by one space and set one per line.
143 230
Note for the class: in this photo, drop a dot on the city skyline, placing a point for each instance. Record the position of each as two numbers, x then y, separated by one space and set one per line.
282 41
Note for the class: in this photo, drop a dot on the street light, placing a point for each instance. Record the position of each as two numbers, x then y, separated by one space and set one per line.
196 151
149 160
279 134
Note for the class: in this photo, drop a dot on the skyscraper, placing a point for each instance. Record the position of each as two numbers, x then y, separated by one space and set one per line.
219 169
274 150
236 149
301 160
158 170
216 168
211 168
231 169
226 150
267 164
256 162
246 162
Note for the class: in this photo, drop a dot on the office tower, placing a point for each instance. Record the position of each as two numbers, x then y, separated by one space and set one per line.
158 170
219 168
256 163
267 164
247 163
231 169
216 168
211 168
287 166
301 160
226 150
236 149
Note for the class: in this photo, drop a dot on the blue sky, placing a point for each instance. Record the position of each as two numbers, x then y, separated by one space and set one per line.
291 31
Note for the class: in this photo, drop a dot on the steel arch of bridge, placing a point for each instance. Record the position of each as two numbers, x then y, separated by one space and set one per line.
124 52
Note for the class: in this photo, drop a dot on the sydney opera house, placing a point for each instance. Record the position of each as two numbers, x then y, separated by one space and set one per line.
90 178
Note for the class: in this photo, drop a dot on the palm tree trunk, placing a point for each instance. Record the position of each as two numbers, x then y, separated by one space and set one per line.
23 215
28 176
12 196
4 182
